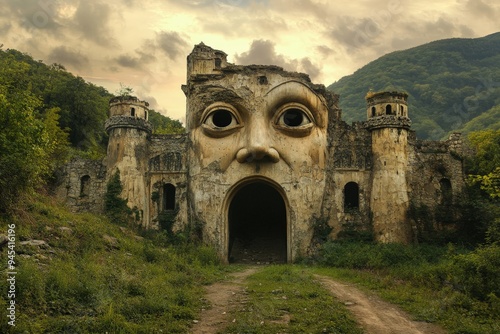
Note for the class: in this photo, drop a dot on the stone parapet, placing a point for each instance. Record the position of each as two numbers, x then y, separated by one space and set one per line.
127 122
388 121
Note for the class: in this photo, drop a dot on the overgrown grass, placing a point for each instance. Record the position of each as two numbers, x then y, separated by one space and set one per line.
286 299
456 288
94 277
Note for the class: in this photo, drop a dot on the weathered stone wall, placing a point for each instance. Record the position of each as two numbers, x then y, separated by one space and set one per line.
168 165
430 163
389 194
82 184
349 160
128 152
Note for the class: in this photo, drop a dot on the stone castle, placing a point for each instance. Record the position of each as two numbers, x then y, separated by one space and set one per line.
265 158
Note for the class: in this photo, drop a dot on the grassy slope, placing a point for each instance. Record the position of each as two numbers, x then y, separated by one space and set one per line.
94 276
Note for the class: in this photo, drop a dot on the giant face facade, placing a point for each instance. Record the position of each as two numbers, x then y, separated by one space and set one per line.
257 159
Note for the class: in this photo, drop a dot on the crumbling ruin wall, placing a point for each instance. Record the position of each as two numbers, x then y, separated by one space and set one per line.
436 171
82 184
167 174
361 177
347 194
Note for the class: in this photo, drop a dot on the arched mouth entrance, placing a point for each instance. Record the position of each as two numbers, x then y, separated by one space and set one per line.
257 225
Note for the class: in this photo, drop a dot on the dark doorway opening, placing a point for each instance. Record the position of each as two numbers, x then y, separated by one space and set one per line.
168 197
257 225
446 192
351 196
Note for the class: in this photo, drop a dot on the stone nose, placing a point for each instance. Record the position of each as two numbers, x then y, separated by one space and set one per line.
257 145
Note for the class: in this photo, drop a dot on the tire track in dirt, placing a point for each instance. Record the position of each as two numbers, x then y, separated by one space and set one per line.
375 315
222 296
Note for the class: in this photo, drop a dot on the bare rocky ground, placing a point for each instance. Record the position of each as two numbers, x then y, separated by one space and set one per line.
374 315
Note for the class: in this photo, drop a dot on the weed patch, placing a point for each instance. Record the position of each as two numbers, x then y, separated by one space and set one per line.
286 299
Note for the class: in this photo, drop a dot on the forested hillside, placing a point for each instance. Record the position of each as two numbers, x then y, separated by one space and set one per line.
453 84
48 115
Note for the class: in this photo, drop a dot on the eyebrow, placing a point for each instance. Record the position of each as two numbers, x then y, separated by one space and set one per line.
209 94
213 93
278 86
308 97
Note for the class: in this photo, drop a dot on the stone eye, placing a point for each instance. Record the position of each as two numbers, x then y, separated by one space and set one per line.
220 120
293 117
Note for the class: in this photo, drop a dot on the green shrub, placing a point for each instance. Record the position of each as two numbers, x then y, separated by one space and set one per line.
361 255
166 219
477 274
321 231
116 207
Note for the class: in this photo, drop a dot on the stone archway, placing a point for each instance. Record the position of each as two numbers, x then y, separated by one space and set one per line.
257 224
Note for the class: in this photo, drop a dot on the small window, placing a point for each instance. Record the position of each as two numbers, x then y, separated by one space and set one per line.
373 111
388 109
403 111
446 191
84 185
351 196
218 63
168 197
132 112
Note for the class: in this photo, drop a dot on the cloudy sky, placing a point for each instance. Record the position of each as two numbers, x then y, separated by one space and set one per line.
143 44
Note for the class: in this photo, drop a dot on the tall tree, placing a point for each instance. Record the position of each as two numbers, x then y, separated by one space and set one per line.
29 140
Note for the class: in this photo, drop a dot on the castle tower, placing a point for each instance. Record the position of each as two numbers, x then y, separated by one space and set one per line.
205 60
389 124
128 129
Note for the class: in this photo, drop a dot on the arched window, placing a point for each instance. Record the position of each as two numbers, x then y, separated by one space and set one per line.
168 197
132 112
446 191
351 196
84 185
403 111
373 111
388 109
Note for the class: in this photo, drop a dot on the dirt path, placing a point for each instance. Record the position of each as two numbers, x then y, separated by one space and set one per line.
222 296
374 315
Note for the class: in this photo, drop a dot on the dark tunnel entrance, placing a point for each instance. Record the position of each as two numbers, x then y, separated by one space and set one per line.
257 225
